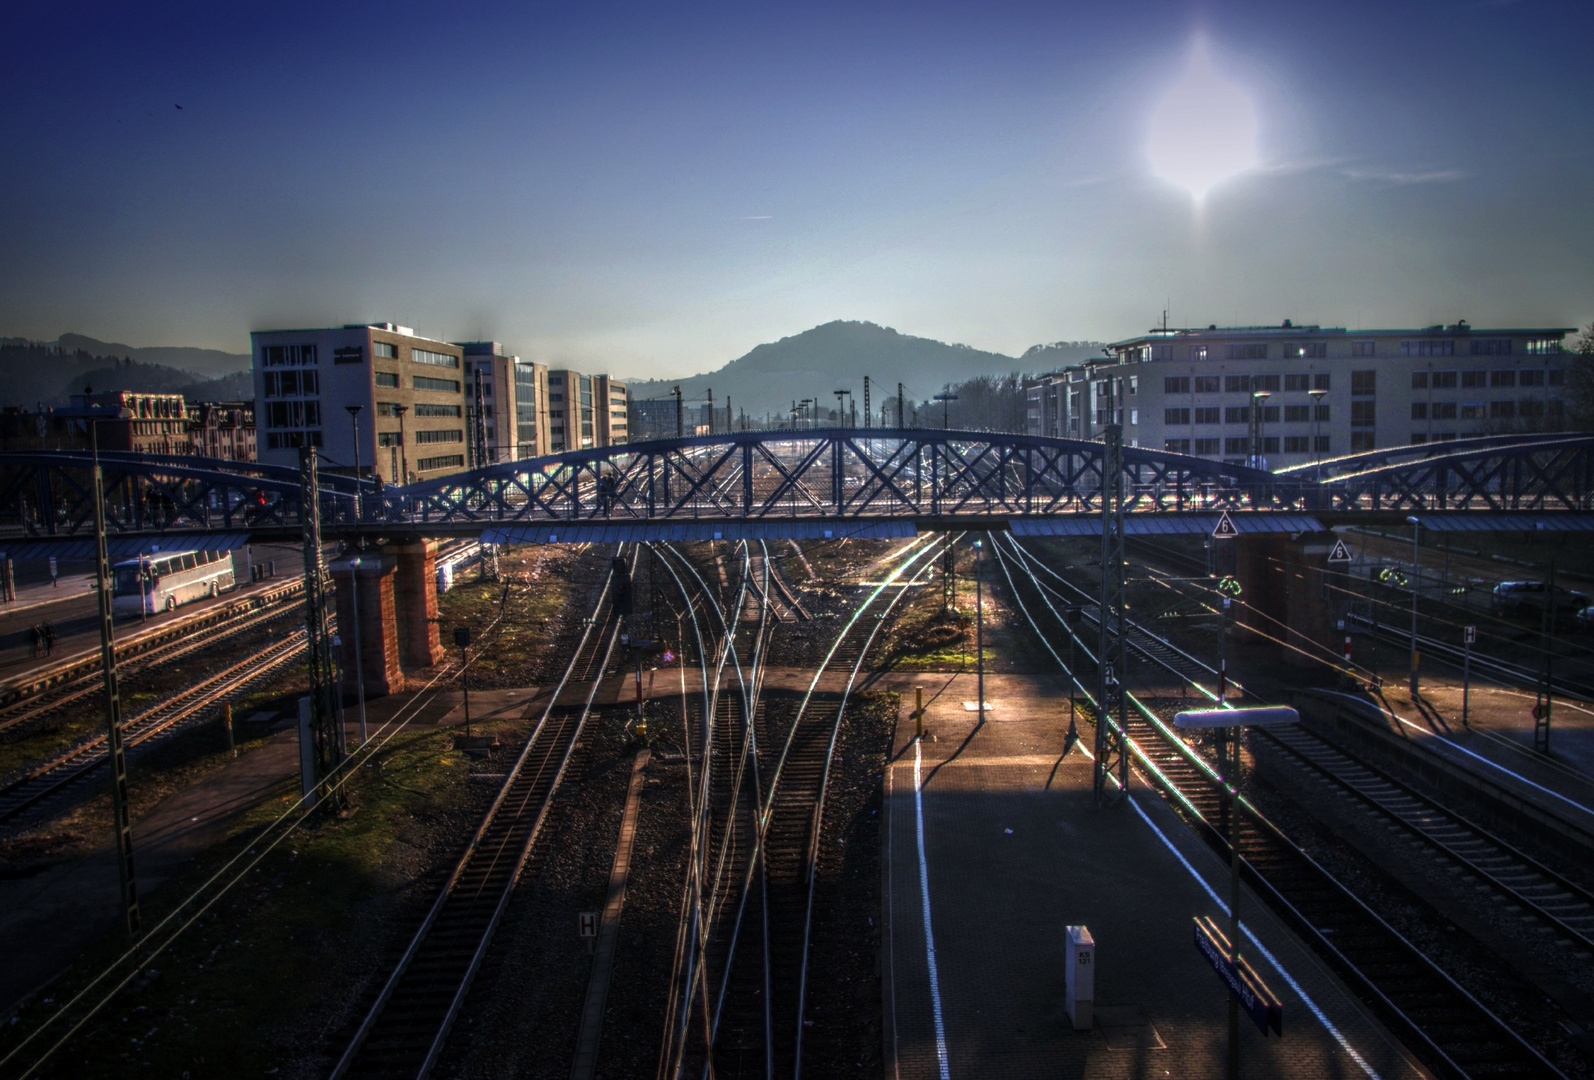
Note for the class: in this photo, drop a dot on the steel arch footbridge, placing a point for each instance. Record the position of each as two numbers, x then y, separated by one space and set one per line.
918 477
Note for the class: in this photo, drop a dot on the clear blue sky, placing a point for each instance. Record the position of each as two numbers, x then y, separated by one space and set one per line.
653 189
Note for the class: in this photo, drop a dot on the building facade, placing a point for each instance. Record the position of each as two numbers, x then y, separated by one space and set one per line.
514 403
160 423
1288 395
585 411
223 429
409 392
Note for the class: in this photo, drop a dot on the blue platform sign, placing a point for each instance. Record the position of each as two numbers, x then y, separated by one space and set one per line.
1259 1003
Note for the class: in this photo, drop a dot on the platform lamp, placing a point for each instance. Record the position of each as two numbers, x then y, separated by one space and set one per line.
1258 401
1317 397
354 419
1231 721
359 659
404 454
979 632
1416 657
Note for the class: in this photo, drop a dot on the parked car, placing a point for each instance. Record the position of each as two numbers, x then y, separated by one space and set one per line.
1532 597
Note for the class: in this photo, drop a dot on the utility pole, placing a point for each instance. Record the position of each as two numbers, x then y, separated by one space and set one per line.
1416 655
113 704
479 427
841 413
710 410
354 419
901 414
867 414
404 454
323 676
979 633
1112 706
1544 704
678 416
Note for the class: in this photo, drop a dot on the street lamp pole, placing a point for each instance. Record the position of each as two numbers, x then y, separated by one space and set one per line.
1416 534
359 659
354 418
979 631
1317 397
1258 400
404 453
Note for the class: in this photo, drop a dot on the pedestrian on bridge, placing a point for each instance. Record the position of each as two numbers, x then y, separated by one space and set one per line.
49 637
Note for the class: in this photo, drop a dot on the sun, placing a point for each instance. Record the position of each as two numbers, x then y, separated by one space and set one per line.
1204 130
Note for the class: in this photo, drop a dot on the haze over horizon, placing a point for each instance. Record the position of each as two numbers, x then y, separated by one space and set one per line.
656 192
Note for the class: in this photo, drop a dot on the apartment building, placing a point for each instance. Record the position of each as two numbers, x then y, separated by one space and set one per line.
585 411
223 429
408 393
1288 395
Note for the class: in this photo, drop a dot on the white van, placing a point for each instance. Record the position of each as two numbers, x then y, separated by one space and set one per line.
154 583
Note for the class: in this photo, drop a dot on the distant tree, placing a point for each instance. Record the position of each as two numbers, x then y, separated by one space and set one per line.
1580 382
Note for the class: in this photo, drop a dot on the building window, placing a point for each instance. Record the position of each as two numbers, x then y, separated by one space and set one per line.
1320 413
1297 382
1208 447
1362 440
1175 416
1443 380
438 410
422 382
1237 446
1134 385
293 414
1428 347
1270 414
1177 446
1247 352
1364 382
288 356
1474 380
1269 383
1162 352
1311 350
1237 414
384 348
1531 377
1320 381
1502 410
1134 416
1236 384
1544 346
1502 378
1473 410
1209 415
436 359
1491 346
1419 410
292 384
1208 384
440 435
445 461
388 379
292 440
1322 442
1176 384
1443 410
1418 437
1419 380
1297 444
1270 444
1363 413
1364 348
1297 414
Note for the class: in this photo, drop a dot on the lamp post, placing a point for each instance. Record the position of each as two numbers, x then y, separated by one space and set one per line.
404 453
1416 657
1317 397
1230 721
354 419
841 413
946 397
979 632
1258 401
359 659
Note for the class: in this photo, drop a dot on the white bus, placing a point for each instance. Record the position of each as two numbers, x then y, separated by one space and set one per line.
160 582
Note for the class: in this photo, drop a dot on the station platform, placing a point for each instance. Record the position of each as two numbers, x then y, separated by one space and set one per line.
1013 850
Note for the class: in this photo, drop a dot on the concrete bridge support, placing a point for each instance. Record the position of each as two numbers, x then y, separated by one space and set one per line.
1287 598
371 582
415 596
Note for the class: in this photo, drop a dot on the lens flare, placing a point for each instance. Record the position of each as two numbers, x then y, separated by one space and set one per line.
1204 131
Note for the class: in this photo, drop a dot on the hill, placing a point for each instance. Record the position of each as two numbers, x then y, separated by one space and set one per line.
837 355
47 373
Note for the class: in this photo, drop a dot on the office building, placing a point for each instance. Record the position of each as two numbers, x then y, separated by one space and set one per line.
409 392
514 403
586 411
1288 395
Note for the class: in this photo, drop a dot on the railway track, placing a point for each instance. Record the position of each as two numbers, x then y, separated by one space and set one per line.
1438 1019
407 1024
35 701
757 979
45 779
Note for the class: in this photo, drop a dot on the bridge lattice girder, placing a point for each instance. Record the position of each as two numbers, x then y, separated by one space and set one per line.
835 473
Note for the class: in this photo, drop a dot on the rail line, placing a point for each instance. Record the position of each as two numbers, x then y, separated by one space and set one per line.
1443 1023
52 776
407 1025
35 700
